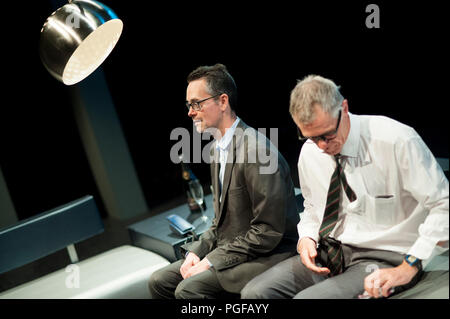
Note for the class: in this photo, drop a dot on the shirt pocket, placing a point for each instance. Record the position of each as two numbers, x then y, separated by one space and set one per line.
380 209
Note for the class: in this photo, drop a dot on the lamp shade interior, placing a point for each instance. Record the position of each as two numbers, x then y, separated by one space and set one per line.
91 53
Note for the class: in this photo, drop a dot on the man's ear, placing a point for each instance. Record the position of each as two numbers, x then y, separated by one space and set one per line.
345 106
223 101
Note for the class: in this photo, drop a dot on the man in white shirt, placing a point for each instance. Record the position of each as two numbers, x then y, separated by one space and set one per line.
390 198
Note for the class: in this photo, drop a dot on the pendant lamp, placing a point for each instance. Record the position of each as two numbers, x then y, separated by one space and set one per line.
77 38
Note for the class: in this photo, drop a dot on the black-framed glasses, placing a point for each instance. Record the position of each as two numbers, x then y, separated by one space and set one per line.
196 104
324 137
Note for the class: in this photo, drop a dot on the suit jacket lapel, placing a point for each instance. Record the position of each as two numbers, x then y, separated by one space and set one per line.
216 186
230 164
215 178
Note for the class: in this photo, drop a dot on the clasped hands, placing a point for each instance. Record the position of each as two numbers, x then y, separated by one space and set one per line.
378 284
193 265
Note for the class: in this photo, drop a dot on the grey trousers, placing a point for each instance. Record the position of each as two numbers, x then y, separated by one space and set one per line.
291 279
167 283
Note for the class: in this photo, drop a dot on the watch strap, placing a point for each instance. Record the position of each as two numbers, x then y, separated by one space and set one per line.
413 261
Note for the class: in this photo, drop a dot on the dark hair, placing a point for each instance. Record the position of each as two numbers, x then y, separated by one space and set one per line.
218 80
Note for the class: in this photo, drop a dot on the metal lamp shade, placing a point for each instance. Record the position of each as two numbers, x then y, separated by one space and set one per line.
77 38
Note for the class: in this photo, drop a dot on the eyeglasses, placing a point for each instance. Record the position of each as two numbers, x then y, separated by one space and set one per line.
196 104
325 137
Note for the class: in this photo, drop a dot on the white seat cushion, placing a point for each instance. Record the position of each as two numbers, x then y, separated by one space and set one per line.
121 272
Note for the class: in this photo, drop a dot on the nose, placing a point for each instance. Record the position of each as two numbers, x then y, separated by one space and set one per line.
322 145
191 112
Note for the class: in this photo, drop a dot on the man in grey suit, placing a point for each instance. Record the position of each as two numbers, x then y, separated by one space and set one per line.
255 210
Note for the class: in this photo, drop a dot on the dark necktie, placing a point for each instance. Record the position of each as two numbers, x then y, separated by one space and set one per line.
331 250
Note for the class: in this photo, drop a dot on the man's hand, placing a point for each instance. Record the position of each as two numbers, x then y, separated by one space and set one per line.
197 268
379 283
191 260
306 247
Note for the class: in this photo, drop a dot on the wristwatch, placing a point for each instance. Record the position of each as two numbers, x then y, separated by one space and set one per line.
414 262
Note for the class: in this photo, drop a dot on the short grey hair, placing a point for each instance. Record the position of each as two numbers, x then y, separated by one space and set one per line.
311 90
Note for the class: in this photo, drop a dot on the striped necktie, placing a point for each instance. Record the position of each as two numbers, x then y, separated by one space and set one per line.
331 250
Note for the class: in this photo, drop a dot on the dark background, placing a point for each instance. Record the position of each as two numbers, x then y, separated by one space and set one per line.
267 46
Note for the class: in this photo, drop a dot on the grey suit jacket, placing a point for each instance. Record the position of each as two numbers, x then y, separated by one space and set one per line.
255 223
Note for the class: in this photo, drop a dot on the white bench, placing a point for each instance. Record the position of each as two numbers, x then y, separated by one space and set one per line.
121 272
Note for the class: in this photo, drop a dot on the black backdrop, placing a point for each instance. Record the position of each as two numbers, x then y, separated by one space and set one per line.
266 46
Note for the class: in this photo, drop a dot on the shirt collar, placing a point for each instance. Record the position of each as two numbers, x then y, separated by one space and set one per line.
225 141
351 145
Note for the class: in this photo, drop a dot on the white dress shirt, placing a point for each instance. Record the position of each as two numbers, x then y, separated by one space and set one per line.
223 147
402 193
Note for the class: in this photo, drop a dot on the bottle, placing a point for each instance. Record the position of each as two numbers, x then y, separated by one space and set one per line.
188 176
